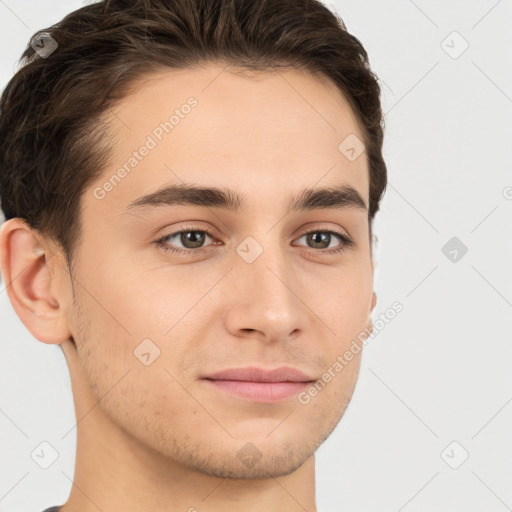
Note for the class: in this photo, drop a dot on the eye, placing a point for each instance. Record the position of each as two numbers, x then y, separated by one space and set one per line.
190 238
321 239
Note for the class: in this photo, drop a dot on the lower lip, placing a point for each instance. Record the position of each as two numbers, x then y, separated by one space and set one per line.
260 391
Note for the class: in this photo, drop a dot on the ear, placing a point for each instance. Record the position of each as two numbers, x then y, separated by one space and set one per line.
370 322
374 301
32 276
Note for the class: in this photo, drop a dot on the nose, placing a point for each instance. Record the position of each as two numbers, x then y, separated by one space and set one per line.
266 299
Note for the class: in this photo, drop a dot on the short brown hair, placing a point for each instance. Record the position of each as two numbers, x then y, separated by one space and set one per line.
53 111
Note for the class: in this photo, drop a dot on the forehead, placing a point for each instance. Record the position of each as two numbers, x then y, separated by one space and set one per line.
256 132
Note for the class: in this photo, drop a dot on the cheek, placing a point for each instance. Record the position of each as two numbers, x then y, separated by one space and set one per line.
124 374
346 305
125 306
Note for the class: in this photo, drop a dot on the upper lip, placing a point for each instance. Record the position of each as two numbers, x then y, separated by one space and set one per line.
253 374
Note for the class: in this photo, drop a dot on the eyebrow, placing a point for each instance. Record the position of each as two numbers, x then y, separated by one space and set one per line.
343 196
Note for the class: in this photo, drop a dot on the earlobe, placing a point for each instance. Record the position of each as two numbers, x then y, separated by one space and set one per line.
27 274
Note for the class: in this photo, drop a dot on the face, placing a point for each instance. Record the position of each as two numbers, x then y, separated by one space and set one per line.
247 283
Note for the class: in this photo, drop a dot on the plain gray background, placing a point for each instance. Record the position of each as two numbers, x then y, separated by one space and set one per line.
436 384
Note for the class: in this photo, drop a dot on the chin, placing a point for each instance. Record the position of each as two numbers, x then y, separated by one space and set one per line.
265 468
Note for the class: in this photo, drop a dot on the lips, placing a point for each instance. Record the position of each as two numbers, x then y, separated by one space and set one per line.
253 374
259 385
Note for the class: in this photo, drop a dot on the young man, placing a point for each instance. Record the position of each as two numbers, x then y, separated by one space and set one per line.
189 188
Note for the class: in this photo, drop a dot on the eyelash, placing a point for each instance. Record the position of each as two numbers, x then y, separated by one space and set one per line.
346 242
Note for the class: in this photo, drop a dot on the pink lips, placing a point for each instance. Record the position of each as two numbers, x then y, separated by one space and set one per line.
260 385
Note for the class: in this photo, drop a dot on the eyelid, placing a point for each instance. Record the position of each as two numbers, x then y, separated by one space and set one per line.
313 227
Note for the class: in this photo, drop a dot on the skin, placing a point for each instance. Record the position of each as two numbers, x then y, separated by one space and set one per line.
157 437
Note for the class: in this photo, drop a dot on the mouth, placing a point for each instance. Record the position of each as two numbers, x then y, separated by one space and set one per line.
257 384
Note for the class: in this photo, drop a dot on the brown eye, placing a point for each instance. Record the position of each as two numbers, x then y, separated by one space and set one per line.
185 241
321 239
191 239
